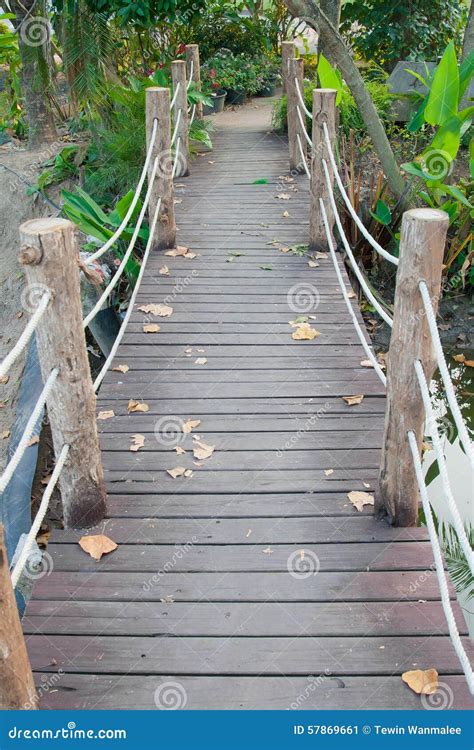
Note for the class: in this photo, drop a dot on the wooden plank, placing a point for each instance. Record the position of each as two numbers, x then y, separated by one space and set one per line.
231 618
320 692
247 656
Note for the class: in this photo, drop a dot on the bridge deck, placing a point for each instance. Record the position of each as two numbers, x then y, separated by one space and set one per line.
205 588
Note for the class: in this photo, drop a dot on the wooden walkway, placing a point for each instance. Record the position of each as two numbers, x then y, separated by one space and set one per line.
208 588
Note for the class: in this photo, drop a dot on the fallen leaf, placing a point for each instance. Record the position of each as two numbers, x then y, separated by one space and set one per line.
137 406
179 450
284 249
319 254
190 425
351 294
121 368
181 250
283 196
4 379
202 451
34 440
248 533
366 363
191 255
459 358
200 361
305 332
359 499
313 264
138 442
106 414
328 472
178 471
353 400
151 328
168 599
5 434
162 311
366 484
285 214
164 271
188 473
422 681
97 545
267 551
188 350
469 362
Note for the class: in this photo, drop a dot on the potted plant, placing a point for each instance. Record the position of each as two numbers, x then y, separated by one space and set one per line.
267 76
210 77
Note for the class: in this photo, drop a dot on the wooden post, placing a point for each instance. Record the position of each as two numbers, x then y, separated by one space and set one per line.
49 253
158 107
178 75
422 242
17 689
288 52
294 124
192 55
324 111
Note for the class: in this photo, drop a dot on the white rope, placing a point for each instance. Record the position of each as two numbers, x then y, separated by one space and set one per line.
131 305
443 368
30 539
176 126
366 289
191 73
303 157
175 95
301 100
192 115
176 158
303 127
440 572
360 333
443 469
350 208
28 431
115 278
131 208
30 328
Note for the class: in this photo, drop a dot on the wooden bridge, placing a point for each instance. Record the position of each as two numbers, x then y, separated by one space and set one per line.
241 429
253 582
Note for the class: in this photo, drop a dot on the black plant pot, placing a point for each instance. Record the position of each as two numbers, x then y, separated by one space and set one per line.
218 100
236 96
268 89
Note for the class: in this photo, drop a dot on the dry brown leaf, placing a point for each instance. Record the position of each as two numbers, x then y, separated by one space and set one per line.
459 358
106 414
200 361
190 256
34 440
5 434
283 196
191 424
178 471
351 294
359 499
285 214
313 264
328 472
138 442
469 362
422 681
97 545
181 250
319 254
284 249
353 400
366 363
151 328
202 451
179 450
162 311
188 350
164 271
137 406
121 368
188 473
305 332
4 379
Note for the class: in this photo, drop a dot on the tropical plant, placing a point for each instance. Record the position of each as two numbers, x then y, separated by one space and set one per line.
11 111
228 71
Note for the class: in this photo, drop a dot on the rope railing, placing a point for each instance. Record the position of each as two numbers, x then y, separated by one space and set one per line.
175 95
191 74
304 160
303 128
301 100
439 566
176 127
193 115
29 330
445 376
176 158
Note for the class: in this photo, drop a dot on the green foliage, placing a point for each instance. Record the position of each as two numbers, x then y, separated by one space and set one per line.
11 111
59 168
387 31
237 72
146 13
456 562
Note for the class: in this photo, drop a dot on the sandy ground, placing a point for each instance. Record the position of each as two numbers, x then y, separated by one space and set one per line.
15 208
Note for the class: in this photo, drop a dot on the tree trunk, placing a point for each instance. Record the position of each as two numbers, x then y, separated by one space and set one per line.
35 51
332 9
339 54
468 41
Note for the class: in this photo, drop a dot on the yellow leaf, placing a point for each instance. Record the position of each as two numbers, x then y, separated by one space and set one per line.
106 414
469 362
359 499
162 311
191 424
305 332
151 328
202 451
353 400
138 442
121 368
137 406
459 358
178 471
422 681
97 545
5 434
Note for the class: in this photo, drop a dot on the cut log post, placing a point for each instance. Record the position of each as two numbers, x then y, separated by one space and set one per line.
178 75
17 689
288 52
324 111
422 243
193 66
49 253
295 129
158 107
